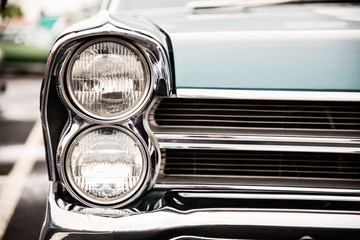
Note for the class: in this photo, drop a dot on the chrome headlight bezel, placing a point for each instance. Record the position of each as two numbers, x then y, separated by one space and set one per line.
125 199
155 51
71 100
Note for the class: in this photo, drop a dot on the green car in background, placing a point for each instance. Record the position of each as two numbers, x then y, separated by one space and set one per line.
205 120
26 48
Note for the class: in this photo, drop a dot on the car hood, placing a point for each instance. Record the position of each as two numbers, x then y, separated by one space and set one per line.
298 47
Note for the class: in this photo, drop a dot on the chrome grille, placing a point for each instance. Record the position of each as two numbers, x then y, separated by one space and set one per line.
271 141
259 114
261 164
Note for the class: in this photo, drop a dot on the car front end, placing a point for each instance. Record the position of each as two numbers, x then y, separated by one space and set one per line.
203 122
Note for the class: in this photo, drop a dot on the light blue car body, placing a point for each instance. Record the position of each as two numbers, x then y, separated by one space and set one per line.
286 47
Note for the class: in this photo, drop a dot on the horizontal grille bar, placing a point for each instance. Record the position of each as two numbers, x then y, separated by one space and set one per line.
242 114
261 164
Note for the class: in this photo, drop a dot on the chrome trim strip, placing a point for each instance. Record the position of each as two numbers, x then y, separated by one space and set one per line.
270 196
267 95
274 189
268 35
169 218
262 138
153 138
189 237
248 146
258 143
50 159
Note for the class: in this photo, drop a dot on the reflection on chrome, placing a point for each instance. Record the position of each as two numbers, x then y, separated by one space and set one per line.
168 217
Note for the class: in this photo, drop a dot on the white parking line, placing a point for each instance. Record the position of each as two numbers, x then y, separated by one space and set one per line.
9 154
14 183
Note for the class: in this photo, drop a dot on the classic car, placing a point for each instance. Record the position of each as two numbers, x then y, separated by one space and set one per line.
205 120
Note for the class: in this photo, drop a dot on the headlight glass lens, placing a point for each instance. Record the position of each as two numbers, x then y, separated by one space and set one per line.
108 78
106 165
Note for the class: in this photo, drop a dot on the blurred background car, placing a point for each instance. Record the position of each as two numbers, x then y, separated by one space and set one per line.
29 28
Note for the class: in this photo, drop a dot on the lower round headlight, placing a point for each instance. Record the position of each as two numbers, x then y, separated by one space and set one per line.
106 165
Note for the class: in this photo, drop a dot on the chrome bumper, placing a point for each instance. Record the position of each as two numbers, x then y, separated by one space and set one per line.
65 221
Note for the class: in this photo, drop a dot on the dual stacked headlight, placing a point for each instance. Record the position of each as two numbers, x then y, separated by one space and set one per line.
107 80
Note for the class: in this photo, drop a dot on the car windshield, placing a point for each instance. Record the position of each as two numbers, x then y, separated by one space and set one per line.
124 5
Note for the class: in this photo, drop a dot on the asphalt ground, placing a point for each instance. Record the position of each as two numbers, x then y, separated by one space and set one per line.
23 176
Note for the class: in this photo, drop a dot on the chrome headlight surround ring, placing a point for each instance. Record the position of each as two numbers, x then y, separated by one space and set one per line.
67 92
125 199
153 49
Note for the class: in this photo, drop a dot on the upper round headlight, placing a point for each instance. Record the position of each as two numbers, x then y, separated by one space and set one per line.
106 165
108 79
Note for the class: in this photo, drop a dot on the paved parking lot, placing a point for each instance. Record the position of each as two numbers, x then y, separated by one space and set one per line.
23 177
